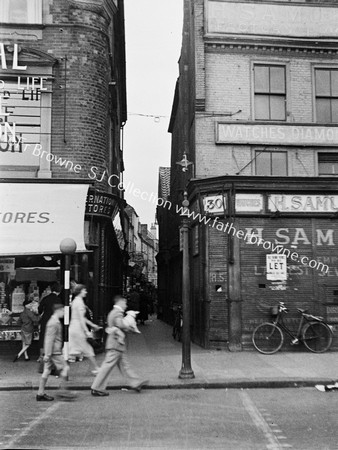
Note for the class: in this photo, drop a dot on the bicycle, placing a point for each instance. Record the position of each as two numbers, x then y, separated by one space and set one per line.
178 322
312 331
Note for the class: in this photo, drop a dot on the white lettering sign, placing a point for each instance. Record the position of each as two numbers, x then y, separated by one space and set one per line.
276 268
303 203
214 204
276 134
249 202
35 218
271 19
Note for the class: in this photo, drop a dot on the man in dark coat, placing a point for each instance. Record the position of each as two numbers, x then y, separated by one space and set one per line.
46 308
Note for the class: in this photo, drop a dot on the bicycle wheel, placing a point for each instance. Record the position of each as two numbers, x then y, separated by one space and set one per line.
267 338
317 337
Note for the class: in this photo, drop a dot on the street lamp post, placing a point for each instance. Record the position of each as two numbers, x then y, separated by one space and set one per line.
67 248
186 370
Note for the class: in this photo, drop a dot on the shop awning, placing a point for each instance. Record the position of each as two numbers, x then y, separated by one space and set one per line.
36 217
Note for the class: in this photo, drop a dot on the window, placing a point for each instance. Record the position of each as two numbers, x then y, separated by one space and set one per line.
270 92
326 95
30 111
21 11
328 164
271 163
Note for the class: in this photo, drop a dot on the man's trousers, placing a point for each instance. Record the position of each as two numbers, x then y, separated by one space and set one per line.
115 358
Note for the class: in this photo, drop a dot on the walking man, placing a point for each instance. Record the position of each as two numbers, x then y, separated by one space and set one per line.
116 352
53 356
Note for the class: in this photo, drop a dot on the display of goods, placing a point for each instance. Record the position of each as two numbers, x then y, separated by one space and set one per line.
17 301
5 316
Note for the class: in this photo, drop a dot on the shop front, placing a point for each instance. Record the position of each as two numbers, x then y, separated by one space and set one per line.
105 265
256 243
34 218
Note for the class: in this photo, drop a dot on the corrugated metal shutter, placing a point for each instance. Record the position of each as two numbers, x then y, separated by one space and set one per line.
218 320
304 284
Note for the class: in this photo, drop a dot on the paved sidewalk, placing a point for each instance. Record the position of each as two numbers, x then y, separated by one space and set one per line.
157 357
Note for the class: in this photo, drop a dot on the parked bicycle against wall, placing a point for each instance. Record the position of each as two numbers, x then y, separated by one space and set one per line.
178 322
312 331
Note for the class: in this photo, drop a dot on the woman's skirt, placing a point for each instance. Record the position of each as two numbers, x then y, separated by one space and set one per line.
78 344
26 337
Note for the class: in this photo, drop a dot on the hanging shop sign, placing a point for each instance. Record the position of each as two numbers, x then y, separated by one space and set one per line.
303 203
276 134
36 217
102 204
276 268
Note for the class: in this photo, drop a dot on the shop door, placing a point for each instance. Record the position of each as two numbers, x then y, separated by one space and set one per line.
259 293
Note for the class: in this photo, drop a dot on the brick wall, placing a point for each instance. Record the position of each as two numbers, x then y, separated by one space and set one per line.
228 88
81 122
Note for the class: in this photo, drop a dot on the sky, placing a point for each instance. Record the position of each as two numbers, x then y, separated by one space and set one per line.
153 44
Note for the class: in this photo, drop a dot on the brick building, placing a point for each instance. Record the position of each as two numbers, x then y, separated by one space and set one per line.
254 110
63 108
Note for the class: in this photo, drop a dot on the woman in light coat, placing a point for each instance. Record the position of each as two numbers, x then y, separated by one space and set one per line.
78 328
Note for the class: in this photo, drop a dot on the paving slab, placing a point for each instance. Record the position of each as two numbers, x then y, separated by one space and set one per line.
156 356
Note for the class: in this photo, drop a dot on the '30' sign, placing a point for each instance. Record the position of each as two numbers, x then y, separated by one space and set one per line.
214 204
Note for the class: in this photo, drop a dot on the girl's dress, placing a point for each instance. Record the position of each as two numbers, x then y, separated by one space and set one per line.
78 344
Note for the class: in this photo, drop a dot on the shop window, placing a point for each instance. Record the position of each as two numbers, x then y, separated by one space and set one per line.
326 82
328 164
270 92
21 11
271 163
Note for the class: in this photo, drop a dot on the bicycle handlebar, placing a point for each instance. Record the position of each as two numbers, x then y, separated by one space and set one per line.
282 307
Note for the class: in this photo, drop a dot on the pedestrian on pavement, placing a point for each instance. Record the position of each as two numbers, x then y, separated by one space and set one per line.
28 321
78 329
116 352
53 356
46 309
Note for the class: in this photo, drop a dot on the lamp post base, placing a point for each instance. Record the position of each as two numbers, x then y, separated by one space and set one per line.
186 373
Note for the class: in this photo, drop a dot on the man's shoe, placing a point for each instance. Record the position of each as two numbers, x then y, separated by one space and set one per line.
44 398
16 358
139 387
99 393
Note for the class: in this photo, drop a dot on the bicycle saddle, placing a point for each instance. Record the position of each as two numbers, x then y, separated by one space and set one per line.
302 310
